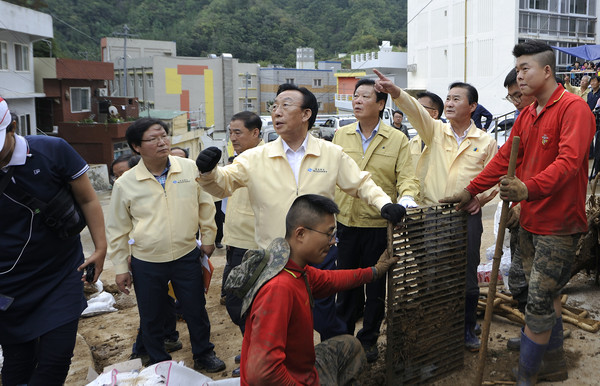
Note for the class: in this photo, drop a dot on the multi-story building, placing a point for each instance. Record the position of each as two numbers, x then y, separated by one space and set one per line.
472 41
320 82
392 64
210 89
21 27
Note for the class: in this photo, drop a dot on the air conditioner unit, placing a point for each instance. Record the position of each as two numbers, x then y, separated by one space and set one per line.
102 92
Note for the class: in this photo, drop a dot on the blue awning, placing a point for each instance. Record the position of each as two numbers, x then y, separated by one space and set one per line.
587 52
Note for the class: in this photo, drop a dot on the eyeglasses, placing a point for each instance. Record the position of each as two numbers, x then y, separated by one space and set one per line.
285 105
430 108
156 140
331 236
516 99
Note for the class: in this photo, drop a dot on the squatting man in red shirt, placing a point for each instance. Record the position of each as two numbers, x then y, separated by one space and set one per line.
556 131
278 288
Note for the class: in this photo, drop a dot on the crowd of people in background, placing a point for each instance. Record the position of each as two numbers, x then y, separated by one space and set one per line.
305 219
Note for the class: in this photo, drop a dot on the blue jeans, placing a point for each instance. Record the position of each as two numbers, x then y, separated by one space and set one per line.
151 286
42 361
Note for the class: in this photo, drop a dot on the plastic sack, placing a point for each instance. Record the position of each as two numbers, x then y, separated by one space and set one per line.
100 303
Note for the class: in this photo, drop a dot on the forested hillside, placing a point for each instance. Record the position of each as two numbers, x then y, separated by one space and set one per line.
264 31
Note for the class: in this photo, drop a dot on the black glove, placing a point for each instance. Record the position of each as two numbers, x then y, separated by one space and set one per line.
208 159
393 212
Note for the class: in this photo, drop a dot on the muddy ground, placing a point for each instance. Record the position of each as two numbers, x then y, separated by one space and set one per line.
107 339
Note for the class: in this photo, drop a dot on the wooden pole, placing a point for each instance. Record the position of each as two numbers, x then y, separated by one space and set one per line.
489 309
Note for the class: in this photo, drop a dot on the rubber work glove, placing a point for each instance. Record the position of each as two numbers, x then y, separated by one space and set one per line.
208 159
384 263
513 216
513 189
408 202
393 212
465 201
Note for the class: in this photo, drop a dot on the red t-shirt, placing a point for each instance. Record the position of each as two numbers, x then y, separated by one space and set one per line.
552 162
278 346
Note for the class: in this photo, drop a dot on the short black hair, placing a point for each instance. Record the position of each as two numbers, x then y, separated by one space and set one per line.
542 52
250 119
134 160
308 210
136 130
472 94
595 77
381 96
435 99
310 101
118 160
511 78
185 151
397 112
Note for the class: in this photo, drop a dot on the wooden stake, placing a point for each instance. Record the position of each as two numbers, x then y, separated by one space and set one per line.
489 309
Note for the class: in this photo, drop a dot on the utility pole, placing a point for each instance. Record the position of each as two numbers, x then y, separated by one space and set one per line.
246 76
125 34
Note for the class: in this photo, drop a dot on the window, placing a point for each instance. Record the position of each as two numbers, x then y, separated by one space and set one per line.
578 6
316 82
24 125
3 56
150 78
21 57
140 81
80 99
289 80
538 4
246 80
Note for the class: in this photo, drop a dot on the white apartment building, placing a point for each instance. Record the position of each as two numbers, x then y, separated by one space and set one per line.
472 40
21 27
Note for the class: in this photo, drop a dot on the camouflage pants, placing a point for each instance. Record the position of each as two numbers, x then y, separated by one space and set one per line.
517 282
547 263
339 360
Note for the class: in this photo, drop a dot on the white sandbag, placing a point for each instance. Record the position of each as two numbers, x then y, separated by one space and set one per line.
99 304
168 373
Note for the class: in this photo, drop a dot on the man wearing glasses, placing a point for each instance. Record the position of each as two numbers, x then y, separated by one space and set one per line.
155 211
294 164
435 107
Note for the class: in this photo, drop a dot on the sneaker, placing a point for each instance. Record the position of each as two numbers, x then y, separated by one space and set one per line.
209 363
372 353
238 358
173 345
236 373
219 245
145 358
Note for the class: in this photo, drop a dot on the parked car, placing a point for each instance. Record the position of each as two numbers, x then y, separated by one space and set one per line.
269 134
333 124
501 132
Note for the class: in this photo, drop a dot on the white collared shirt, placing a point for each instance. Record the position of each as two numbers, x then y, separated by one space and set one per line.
19 154
367 141
460 139
295 157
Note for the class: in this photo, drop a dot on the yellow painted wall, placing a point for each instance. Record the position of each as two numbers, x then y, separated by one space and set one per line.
173 81
209 96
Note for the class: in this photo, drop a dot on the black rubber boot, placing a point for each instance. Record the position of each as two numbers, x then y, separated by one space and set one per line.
554 364
472 342
530 360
